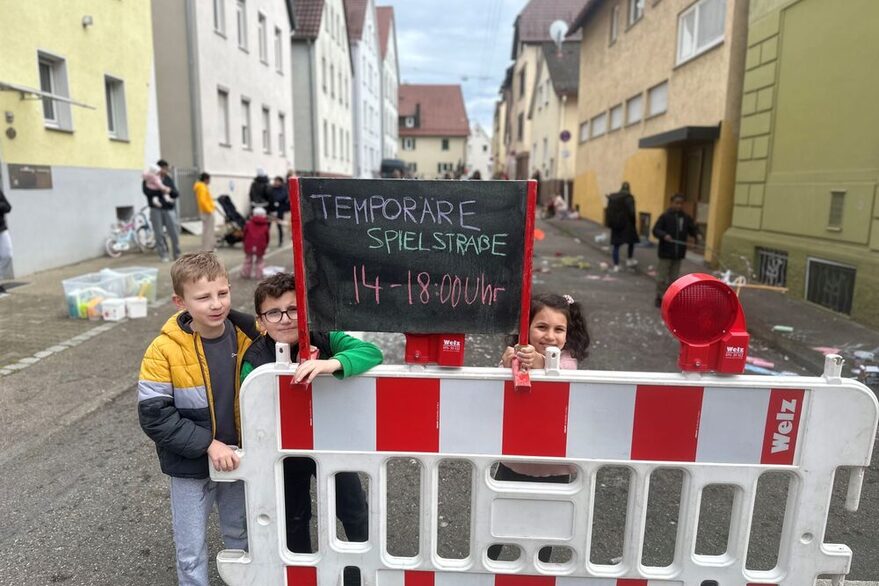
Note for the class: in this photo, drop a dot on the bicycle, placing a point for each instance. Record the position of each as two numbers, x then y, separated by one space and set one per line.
125 235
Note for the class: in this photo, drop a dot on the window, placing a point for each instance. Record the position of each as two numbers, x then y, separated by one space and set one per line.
634 109
830 284
340 87
53 80
599 124
282 134
220 16
323 73
837 207
443 167
223 116
700 28
657 99
520 127
332 81
522 83
636 11
614 23
408 143
262 37
445 144
241 20
540 96
546 93
412 167
409 122
545 151
333 133
616 117
326 141
584 131
266 130
245 123
117 122
279 51
329 17
485 148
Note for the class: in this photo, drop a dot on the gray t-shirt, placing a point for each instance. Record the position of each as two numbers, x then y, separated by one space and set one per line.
221 355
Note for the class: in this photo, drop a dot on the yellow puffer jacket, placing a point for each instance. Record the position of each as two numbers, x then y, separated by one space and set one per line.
175 403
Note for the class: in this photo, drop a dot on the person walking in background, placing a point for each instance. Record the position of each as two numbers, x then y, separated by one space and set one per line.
5 242
281 200
672 230
206 207
620 218
169 210
257 232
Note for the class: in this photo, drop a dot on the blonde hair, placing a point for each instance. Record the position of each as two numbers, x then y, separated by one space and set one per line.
192 266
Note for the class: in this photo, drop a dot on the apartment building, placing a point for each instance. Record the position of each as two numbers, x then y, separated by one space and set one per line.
390 66
433 130
363 40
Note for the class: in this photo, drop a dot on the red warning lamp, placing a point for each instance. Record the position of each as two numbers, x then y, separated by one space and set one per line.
705 315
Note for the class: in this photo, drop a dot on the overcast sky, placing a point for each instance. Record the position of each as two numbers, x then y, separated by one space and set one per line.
458 41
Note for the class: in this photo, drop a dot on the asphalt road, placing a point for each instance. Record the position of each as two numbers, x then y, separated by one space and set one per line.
82 500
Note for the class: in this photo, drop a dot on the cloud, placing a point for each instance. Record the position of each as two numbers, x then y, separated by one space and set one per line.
463 42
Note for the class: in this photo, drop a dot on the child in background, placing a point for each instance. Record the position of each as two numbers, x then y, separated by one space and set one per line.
187 403
256 240
340 355
556 320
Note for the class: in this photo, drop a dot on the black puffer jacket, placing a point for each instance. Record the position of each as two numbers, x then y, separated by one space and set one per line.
621 219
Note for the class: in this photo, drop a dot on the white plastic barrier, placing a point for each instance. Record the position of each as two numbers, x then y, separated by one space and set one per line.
718 430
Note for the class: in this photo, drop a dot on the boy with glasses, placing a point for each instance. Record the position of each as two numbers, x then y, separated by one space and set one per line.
340 355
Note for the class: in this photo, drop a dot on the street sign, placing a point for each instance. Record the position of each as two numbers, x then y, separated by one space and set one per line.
565 135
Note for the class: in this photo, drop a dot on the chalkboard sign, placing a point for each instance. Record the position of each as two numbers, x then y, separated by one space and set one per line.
413 256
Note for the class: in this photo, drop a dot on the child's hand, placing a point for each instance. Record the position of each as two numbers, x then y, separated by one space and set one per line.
311 368
529 357
223 457
507 358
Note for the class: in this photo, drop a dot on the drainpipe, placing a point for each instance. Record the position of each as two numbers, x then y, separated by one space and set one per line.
194 89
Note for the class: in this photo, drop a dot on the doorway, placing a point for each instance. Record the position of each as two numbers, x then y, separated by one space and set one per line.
696 181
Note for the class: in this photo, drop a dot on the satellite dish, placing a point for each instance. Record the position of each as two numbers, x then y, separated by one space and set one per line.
557 32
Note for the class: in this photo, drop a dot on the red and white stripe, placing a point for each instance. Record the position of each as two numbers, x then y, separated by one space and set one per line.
307 576
555 419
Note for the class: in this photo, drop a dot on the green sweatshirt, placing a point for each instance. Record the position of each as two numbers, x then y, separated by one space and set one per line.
356 356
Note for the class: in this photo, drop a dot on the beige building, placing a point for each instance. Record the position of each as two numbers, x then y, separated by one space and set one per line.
501 138
433 130
806 211
530 32
660 106
553 118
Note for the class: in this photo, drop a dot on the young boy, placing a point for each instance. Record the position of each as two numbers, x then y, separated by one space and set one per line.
188 404
340 355
672 230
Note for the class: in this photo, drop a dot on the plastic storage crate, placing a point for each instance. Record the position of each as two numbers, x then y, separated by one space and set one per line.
85 293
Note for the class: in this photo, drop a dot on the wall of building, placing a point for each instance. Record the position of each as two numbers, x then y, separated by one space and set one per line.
703 91
91 171
334 107
390 90
305 87
367 98
242 72
479 152
428 154
799 145
498 147
526 62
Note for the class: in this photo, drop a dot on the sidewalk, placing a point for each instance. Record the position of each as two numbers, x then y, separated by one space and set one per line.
813 326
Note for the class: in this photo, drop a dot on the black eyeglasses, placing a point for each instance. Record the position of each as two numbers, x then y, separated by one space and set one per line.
275 315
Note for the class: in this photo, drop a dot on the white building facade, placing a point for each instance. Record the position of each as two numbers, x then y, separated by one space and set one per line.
363 38
479 152
323 121
224 91
390 67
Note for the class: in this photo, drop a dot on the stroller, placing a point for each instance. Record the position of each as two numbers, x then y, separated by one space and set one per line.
234 225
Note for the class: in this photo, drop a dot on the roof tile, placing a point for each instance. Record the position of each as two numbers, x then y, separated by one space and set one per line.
308 17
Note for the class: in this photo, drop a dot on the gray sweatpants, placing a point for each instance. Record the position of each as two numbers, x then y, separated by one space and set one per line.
5 255
191 502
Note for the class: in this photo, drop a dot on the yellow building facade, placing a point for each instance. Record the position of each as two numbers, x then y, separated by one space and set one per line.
659 106
79 122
